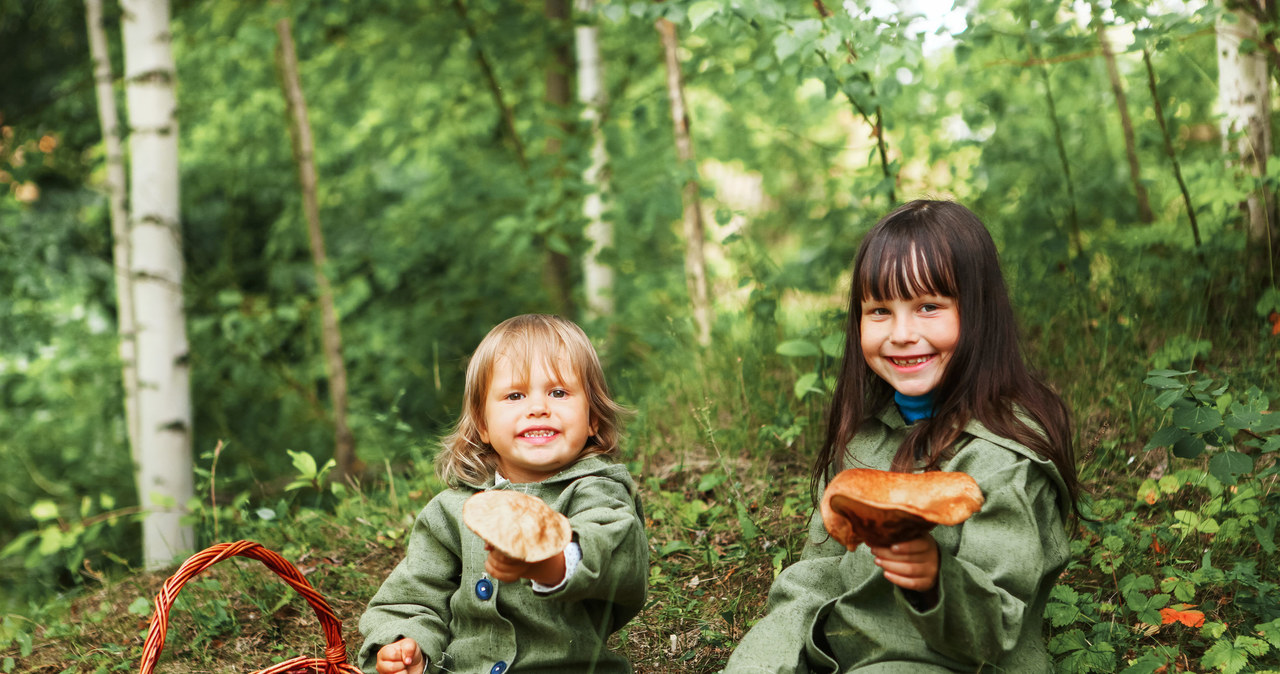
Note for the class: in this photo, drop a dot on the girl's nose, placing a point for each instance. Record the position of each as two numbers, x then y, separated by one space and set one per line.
904 330
537 406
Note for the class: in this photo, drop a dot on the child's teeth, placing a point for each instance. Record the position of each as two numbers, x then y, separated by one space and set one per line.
539 434
911 361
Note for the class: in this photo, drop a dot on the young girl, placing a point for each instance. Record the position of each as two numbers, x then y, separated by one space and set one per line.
932 379
537 418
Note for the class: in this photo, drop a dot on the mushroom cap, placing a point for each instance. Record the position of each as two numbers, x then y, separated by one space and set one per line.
516 524
882 508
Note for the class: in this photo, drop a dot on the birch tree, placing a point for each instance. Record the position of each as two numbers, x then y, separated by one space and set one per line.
117 184
163 453
1244 99
597 277
344 453
694 228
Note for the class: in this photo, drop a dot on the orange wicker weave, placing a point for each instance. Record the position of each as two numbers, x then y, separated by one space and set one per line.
335 652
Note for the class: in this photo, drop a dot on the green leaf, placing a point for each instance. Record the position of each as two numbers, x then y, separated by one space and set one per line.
1224 657
699 12
44 510
805 384
1168 398
1252 645
140 607
1265 535
798 348
1270 631
304 463
1226 466
786 44
833 345
1170 373
672 547
1163 383
1150 663
711 480
1061 615
1188 447
1197 419
1166 437
749 530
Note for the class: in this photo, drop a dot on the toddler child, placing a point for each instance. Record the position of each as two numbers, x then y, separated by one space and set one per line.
536 417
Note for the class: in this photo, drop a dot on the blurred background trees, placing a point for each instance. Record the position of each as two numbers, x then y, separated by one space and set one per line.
455 152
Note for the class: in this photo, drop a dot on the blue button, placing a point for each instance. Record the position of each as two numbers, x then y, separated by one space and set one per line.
484 590
498 668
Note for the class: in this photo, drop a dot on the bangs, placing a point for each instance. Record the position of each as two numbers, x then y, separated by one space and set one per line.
896 268
521 348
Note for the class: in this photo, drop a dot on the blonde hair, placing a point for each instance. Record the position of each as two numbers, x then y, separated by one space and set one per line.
465 458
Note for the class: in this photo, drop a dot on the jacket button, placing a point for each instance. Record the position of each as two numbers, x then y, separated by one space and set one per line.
498 668
484 590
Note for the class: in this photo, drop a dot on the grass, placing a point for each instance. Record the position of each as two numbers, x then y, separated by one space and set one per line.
721 450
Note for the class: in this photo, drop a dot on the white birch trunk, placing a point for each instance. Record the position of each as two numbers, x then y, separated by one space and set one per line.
1244 99
597 277
164 463
695 264
117 183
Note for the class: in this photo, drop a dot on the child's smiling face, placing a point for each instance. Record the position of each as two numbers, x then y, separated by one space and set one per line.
537 424
908 342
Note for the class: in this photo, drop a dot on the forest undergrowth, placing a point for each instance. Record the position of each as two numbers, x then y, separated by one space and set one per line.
1176 571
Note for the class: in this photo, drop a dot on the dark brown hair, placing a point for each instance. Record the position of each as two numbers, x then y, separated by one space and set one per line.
941 248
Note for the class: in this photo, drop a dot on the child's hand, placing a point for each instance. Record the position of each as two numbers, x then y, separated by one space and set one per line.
549 572
911 565
401 656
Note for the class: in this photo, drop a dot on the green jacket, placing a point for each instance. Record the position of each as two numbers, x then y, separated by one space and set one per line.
833 611
464 621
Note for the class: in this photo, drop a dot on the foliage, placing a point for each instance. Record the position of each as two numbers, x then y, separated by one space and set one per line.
441 219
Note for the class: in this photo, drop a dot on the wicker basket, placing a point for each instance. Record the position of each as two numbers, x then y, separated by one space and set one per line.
335 652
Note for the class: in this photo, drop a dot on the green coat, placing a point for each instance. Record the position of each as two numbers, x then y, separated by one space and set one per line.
995 573
436 596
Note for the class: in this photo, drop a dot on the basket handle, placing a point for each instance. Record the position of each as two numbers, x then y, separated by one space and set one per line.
335 652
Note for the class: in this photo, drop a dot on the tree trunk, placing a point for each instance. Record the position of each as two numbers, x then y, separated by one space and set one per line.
1145 214
557 270
597 277
344 453
117 184
164 463
694 229
1244 97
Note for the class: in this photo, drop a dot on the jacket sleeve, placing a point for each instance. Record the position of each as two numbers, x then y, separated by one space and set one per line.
1007 555
414 600
606 521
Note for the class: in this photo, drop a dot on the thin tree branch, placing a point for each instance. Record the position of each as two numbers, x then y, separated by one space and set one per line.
508 116
1168 148
877 127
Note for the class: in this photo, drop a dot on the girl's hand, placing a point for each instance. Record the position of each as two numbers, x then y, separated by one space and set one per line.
401 656
911 565
549 572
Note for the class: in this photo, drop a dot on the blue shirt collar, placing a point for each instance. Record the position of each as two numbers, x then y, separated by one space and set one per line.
914 408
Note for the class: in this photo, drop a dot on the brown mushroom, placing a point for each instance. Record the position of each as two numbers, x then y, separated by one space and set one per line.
882 508
516 524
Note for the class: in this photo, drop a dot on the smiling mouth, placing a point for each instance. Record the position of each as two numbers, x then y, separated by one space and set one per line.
537 434
908 362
